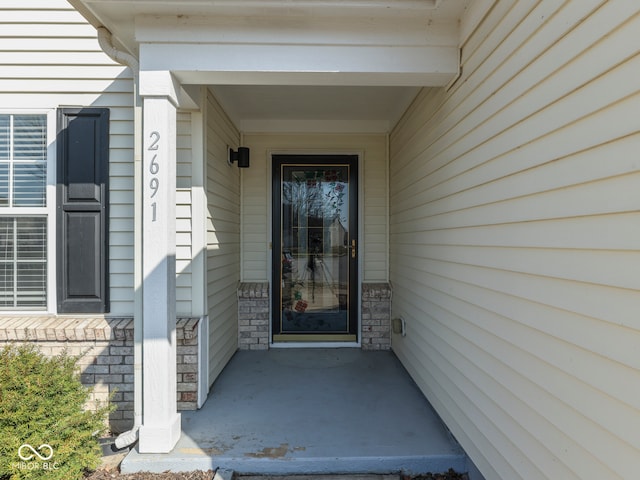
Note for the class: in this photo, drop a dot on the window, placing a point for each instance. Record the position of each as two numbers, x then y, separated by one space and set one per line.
23 211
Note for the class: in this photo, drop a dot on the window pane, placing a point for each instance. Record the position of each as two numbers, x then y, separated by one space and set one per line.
6 285
30 137
31 238
29 184
23 262
4 184
31 279
4 137
6 262
23 160
6 239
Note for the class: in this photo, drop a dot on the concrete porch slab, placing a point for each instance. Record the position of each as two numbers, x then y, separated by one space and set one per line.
310 411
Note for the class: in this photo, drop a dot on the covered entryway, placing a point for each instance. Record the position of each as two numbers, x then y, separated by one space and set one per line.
331 77
516 285
297 411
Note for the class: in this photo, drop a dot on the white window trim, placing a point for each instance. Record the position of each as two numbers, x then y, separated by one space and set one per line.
49 210
52 233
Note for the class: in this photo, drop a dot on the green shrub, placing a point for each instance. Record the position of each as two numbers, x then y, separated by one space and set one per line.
42 403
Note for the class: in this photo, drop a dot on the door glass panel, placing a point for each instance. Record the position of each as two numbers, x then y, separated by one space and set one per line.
315 249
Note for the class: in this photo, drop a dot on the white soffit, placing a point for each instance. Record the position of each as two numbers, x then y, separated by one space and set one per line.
272 108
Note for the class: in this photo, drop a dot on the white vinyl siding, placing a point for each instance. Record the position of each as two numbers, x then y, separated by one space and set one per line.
184 253
223 238
514 242
257 190
183 150
49 57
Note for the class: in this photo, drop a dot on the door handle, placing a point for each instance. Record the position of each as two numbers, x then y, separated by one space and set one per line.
353 249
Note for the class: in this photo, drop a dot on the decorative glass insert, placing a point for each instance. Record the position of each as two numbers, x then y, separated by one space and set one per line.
315 249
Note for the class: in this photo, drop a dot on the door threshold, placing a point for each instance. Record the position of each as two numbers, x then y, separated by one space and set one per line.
315 345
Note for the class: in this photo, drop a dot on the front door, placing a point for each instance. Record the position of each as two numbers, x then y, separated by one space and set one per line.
315 248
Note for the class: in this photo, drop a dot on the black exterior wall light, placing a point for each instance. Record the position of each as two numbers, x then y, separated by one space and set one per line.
241 156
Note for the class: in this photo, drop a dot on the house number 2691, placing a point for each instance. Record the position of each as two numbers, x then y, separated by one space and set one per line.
154 168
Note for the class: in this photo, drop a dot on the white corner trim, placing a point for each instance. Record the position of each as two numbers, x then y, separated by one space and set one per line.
203 360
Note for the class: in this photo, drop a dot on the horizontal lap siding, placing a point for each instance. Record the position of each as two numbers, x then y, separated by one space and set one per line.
184 217
223 238
514 239
50 57
257 191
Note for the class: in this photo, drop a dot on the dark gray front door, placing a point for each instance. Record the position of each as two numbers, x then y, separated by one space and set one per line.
315 248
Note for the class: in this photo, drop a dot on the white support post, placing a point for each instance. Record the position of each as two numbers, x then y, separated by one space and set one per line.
160 429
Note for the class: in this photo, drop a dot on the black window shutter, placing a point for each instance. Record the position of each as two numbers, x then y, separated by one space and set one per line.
82 210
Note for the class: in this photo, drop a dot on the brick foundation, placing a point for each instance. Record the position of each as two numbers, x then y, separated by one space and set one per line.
253 316
376 316
187 363
106 349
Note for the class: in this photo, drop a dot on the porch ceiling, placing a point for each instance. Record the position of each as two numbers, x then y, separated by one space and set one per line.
274 108
330 65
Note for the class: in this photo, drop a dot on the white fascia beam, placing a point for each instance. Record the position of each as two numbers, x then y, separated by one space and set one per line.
384 4
302 64
295 30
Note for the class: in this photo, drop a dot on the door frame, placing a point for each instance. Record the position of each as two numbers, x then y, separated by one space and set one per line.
360 240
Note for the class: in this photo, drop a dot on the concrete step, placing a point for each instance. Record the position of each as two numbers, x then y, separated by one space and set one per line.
299 467
317 477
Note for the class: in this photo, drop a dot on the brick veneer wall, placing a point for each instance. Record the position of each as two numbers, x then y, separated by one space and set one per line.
253 316
376 316
106 349
187 363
